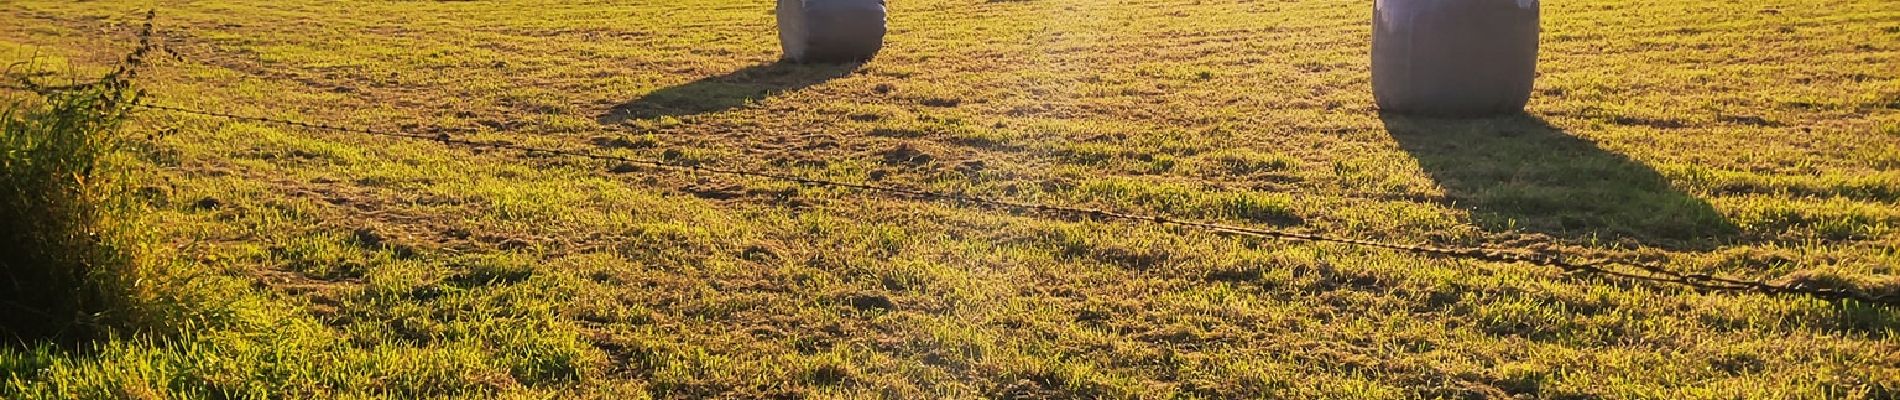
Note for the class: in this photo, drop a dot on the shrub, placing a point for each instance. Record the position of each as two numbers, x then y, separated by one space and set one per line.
64 273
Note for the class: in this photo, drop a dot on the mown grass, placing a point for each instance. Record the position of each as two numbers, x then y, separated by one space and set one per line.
1751 138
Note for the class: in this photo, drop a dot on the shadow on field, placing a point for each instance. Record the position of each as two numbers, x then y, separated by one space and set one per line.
725 92
1519 172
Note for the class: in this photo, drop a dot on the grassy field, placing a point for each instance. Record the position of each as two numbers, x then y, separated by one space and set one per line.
1750 138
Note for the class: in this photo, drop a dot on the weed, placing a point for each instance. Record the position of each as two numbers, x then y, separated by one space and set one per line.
64 260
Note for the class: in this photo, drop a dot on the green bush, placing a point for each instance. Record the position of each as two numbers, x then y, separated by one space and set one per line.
65 274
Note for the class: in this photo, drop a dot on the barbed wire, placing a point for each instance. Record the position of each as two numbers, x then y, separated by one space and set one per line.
1640 271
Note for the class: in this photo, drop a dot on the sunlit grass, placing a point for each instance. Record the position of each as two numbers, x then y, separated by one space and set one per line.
1755 139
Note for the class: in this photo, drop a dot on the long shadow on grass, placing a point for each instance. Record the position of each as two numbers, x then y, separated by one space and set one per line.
1520 173
725 92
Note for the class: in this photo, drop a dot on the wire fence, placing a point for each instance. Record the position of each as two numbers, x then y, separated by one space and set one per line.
1638 271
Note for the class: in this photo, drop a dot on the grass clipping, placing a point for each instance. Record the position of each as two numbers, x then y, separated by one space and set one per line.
67 270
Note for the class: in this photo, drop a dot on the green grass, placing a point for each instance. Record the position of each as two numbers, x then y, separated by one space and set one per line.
1752 138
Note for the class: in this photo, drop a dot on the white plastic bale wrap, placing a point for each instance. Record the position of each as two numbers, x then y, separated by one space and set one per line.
1459 58
831 31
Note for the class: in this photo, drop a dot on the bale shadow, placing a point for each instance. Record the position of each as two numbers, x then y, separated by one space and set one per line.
725 92
1520 173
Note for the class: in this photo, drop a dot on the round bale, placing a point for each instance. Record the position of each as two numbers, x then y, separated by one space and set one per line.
1454 58
831 31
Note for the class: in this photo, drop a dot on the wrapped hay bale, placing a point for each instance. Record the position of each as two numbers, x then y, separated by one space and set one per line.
1459 58
831 31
